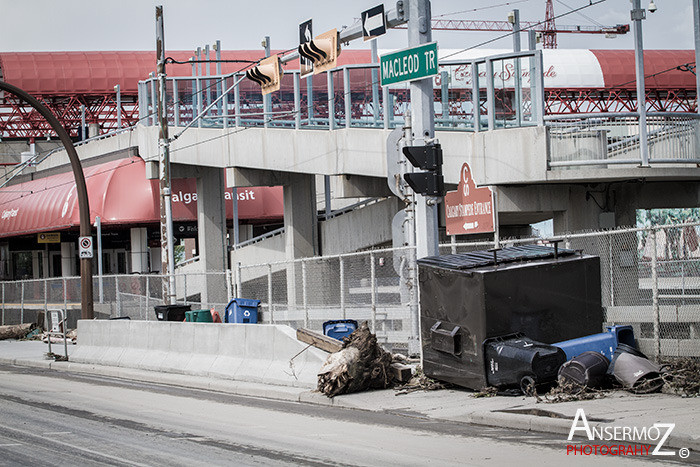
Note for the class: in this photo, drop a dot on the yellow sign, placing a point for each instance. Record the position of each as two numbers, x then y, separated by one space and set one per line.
51 237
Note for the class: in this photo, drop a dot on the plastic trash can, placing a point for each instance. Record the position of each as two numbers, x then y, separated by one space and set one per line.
199 316
242 310
588 370
517 361
339 328
604 343
171 312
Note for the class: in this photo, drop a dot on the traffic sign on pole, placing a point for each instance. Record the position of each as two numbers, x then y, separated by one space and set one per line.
85 247
409 64
469 209
306 66
373 23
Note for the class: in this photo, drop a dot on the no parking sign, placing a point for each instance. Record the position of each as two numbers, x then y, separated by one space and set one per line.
85 247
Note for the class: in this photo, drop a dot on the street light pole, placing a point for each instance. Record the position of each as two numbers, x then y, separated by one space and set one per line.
638 14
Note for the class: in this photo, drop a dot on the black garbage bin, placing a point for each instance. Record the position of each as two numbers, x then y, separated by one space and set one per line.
518 361
171 312
548 295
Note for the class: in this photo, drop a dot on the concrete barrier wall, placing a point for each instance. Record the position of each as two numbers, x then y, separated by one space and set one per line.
258 353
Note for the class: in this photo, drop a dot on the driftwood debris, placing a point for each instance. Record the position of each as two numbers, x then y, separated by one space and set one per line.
319 340
16 331
361 364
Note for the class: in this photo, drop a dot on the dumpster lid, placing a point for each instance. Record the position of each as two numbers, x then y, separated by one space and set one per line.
481 258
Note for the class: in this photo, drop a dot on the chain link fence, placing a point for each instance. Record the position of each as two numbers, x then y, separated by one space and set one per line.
650 279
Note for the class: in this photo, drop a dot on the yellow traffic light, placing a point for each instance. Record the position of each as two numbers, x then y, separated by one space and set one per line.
323 51
267 74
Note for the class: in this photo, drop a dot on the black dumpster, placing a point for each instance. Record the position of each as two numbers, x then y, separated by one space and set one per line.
548 295
171 312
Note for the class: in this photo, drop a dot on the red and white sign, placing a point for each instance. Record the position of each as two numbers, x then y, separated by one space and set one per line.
469 209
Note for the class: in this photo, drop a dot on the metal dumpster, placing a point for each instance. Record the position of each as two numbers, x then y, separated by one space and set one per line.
548 295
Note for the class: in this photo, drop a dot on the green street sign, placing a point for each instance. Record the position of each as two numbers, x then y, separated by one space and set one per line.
409 64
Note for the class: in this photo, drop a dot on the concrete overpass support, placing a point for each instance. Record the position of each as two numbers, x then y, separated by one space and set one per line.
139 250
211 226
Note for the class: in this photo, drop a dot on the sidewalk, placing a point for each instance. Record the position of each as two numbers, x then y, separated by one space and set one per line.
618 409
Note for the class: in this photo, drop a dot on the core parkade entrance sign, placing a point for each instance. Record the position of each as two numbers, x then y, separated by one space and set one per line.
409 64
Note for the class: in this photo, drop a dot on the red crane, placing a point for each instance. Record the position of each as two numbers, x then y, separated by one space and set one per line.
547 27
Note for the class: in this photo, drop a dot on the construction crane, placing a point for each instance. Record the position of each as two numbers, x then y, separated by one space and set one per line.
547 28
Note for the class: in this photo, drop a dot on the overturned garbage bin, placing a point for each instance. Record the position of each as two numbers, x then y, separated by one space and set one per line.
174 312
549 295
604 343
242 310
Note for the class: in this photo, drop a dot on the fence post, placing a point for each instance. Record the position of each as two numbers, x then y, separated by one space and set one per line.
184 286
655 296
148 292
269 292
373 281
21 305
238 280
303 291
65 295
3 303
46 298
612 275
119 300
342 287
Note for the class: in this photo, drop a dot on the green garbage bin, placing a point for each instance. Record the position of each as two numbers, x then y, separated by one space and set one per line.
199 316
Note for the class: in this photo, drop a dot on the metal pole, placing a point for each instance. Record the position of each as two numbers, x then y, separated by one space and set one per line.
117 89
496 227
310 98
118 296
327 194
476 98
347 98
386 106
303 289
638 14
267 98
655 295
237 103
269 292
3 303
148 288
373 291
490 96
21 305
419 32
696 29
166 213
342 287
331 101
82 122
236 226
518 91
297 102
375 81
98 225
176 103
239 280
445 97
65 294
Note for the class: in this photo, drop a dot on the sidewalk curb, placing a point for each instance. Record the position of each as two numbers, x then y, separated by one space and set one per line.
497 419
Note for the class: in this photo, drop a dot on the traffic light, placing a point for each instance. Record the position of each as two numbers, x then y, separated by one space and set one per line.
266 74
322 50
429 158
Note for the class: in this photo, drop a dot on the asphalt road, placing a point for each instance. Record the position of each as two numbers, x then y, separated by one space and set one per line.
54 418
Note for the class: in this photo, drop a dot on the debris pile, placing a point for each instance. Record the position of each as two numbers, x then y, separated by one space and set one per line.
420 382
682 377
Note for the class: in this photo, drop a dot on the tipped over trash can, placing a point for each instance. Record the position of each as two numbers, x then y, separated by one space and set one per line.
174 312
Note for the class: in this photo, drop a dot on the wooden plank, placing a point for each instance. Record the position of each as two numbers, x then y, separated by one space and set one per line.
402 373
319 340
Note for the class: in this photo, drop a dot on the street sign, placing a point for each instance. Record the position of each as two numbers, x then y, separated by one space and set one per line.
409 64
48 237
469 209
306 66
373 23
85 247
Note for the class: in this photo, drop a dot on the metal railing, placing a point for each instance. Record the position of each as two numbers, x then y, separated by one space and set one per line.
496 89
609 139
650 279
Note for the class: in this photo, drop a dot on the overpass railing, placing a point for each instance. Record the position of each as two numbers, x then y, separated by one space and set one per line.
468 95
612 139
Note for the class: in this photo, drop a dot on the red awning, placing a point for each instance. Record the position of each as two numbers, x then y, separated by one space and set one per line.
120 194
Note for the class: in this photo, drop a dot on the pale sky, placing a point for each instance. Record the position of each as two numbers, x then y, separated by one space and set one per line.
61 25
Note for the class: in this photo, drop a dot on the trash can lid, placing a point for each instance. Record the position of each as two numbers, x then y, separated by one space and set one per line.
481 258
247 302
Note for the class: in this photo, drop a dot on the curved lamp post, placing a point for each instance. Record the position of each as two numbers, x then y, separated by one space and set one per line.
86 303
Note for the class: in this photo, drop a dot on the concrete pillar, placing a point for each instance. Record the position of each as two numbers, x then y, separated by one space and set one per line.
301 228
139 250
67 259
211 232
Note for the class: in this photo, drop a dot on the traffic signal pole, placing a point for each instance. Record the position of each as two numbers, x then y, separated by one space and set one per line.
423 126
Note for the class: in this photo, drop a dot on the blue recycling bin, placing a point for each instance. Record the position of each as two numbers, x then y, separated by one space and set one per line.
604 343
242 310
337 329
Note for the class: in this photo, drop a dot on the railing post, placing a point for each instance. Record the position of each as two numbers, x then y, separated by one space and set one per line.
297 101
476 99
239 280
331 100
612 275
655 296
537 82
490 97
342 287
444 97
310 99
198 93
303 291
373 281
237 102
386 106
269 293
223 106
347 97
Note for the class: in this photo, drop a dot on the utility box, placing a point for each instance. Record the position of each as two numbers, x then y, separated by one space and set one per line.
548 294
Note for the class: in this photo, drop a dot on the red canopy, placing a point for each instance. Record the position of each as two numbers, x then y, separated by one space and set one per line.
120 194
